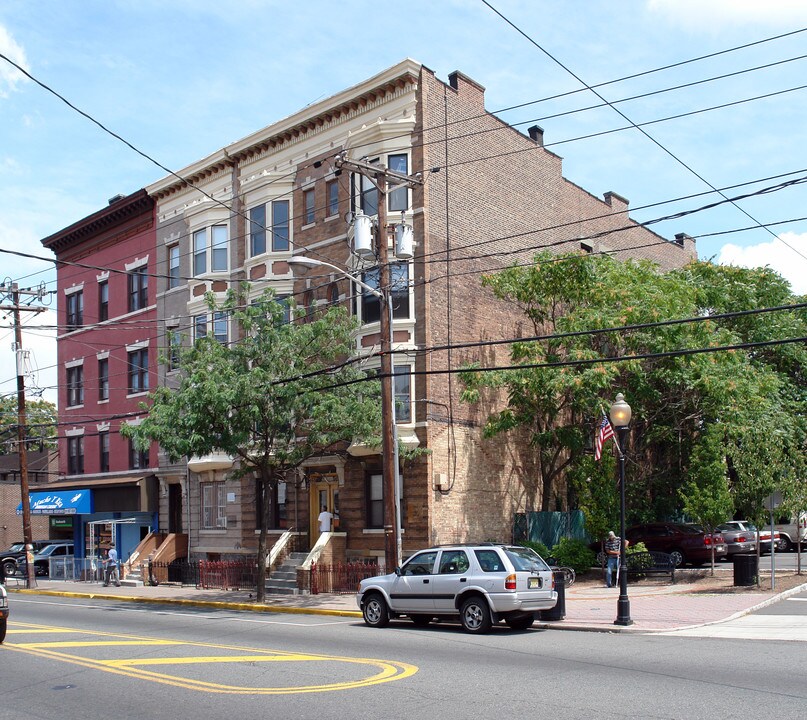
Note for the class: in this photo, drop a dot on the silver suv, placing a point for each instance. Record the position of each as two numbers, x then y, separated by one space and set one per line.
477 584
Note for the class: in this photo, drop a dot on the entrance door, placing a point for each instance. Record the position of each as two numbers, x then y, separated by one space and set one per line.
175 508
324 493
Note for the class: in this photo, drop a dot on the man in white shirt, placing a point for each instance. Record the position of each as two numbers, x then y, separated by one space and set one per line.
324 520
111 571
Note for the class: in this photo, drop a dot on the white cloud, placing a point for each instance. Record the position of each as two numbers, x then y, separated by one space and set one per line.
9 75
715 15
774 254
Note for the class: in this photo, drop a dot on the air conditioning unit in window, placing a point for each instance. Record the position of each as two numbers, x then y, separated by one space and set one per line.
221 522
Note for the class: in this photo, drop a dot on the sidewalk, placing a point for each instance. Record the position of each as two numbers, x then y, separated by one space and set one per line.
655 606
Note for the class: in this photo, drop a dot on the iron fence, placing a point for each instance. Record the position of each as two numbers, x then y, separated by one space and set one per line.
341 578
208 574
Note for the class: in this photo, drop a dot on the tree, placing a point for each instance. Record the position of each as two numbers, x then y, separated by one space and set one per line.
41 423
706 497
273 399
676 399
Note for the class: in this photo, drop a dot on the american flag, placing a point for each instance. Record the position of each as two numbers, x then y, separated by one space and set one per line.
604 432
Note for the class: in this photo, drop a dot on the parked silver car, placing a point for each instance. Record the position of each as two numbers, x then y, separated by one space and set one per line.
479 585
737 538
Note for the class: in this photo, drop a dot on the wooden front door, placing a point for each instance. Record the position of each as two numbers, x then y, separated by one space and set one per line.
324 493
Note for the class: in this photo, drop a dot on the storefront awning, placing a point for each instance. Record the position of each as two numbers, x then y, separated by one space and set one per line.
66 502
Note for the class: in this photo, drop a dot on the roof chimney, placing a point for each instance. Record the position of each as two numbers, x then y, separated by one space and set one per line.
537 134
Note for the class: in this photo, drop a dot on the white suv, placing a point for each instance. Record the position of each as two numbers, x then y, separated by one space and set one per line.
477 584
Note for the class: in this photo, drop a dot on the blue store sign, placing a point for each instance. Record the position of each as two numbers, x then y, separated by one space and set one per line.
65 502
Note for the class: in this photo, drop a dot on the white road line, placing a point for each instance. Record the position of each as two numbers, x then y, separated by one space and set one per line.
753 627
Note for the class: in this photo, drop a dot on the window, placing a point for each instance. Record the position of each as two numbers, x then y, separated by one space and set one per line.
309 209
75 455
218 327
75 310
199 327
454 562
173 266
103 300
398 198
403 394
370 304
103 451
421 564
138 371
278 227
332 198
103 379
138 459
75 385
174 344
210 250
213 508
138 288
368 196
375 501
277 506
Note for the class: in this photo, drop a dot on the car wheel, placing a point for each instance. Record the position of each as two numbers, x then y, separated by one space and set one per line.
475 615
3 625
785 545
600 559
421 620
375 611
520 623
9 567
677 558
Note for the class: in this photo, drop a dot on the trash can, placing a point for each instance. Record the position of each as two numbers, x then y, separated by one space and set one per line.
559 611
746 569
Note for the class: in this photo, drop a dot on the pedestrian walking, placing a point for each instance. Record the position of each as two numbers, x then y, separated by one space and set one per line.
111 571
611 557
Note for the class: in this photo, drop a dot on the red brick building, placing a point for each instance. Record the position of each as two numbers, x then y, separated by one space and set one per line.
107 357
490 196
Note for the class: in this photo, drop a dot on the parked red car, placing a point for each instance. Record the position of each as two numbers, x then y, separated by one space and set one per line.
687 543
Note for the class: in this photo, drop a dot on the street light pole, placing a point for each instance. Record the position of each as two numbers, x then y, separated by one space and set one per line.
620 418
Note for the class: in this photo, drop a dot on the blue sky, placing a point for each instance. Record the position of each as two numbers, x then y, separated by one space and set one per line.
180 79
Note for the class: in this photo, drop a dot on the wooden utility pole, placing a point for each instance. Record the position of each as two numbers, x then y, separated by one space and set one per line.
382 177
22 431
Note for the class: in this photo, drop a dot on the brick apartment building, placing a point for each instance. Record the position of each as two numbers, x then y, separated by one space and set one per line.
107 358
41 469
491 196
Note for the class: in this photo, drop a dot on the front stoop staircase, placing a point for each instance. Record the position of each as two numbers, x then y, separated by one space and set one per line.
283 580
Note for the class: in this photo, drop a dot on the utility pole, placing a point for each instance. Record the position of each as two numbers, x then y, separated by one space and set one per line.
382 177
22 449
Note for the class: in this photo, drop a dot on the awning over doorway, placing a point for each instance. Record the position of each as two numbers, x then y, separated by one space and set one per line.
65 502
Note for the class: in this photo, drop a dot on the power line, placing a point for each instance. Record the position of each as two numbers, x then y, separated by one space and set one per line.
635 125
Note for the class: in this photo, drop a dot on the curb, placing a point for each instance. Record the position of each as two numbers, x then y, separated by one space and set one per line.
212 604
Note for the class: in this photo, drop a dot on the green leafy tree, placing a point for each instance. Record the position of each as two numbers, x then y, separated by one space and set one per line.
273 399
41 422
676 399
706 497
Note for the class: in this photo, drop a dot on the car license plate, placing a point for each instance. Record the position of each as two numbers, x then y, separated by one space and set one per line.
533 583
721 548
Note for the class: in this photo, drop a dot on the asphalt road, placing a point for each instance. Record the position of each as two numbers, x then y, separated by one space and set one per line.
81 660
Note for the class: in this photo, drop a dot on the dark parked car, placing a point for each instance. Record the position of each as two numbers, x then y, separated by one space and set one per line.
15 555
687 543
3 613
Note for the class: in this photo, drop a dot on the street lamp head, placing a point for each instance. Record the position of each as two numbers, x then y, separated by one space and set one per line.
303 260
620 412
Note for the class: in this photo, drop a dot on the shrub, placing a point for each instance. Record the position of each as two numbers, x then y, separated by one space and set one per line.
539 547
574 554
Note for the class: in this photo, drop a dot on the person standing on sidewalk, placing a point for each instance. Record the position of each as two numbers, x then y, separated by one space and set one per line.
611 557
111 569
